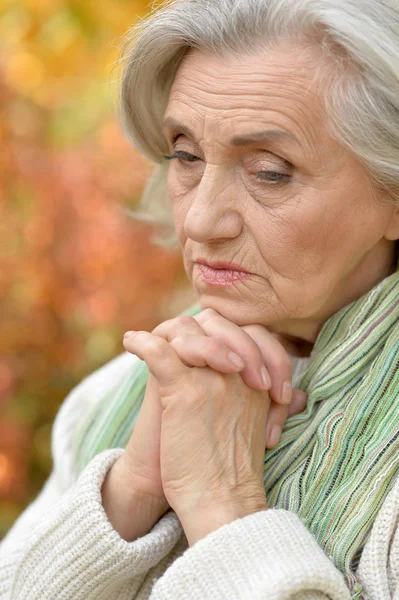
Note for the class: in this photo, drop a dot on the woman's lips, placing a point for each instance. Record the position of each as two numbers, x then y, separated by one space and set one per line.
221 277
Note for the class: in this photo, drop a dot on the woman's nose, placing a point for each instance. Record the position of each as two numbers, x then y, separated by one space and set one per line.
212 215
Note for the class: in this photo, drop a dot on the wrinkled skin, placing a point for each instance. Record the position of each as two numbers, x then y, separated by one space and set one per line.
303 217
316 235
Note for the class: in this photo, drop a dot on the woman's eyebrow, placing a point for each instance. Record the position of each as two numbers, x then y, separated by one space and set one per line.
237 140
262 136
171 123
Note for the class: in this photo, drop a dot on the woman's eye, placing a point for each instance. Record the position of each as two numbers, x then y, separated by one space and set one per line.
272 176
186 156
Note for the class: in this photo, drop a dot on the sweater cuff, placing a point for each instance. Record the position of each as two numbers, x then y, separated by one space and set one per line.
269 554
74 552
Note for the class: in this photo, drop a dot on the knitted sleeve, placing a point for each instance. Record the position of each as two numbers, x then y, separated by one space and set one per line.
269 555
63 546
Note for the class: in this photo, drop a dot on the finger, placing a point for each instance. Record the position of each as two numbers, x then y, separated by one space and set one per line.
276 418
161 359
204 351
298 404
279 413
146 435
255 374
182 325
184 331
277 361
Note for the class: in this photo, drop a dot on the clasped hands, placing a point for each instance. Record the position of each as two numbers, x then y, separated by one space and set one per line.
217 395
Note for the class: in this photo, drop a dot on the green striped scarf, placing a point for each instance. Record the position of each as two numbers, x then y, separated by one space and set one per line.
336 461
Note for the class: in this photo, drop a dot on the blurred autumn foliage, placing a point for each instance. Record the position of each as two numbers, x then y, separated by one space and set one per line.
75 271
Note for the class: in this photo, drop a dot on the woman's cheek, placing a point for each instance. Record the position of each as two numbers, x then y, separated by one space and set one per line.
180 198
176 197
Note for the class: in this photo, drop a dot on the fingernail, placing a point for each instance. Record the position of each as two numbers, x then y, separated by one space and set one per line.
128 333
275 435
286 394
265 378
236 360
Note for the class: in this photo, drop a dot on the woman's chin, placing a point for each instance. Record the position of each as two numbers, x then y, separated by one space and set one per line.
233 302
236 311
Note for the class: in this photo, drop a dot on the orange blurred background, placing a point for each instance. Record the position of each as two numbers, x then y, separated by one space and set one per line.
75 271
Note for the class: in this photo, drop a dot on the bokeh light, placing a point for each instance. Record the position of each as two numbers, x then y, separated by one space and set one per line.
75 271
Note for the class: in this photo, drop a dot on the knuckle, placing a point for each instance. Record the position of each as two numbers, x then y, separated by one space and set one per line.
213 346
179 341
157 345
183 320
162 327
209 313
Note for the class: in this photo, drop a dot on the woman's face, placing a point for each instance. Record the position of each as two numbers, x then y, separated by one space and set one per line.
262 184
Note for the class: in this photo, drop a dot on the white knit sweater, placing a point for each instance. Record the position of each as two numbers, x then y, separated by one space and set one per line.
64 548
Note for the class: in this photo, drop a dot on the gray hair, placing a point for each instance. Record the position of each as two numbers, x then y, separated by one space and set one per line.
360 38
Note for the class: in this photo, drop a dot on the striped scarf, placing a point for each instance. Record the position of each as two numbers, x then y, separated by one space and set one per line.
336 461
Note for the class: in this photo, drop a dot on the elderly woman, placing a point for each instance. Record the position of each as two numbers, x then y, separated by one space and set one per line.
275 126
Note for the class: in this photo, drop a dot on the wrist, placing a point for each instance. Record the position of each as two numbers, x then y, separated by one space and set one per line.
131 512
201 521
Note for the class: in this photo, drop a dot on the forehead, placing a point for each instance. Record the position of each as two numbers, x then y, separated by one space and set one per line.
267 87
